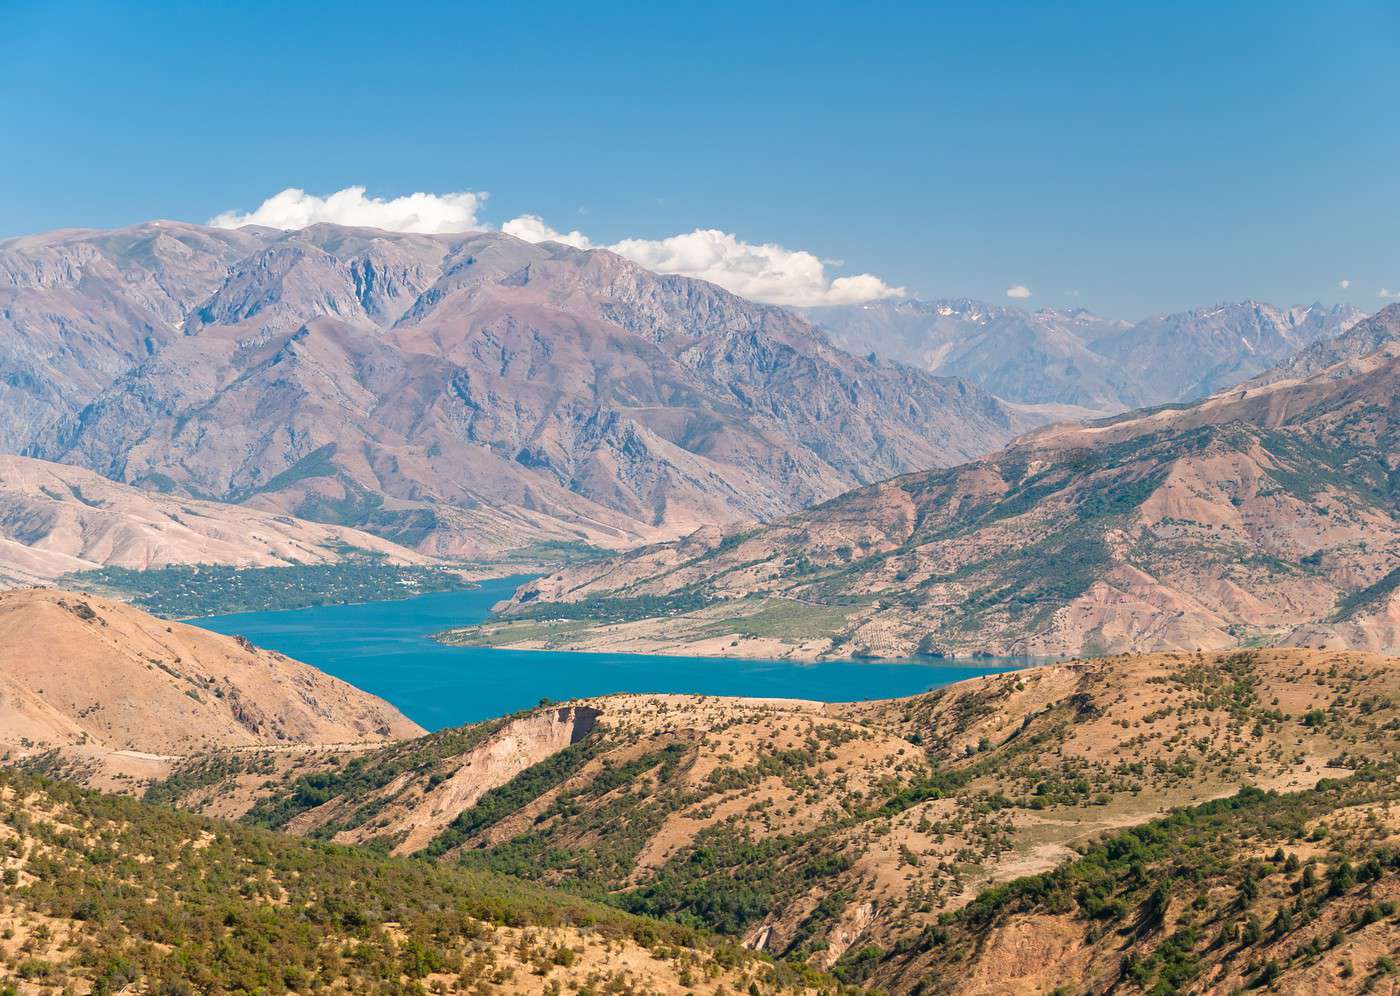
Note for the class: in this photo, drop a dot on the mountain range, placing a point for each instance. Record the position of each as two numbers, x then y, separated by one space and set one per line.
1078 358
1264 513
468 396
458 394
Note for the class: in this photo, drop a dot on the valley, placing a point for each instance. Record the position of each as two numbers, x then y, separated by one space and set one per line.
728 661
388 647
982 837
699 500
974 729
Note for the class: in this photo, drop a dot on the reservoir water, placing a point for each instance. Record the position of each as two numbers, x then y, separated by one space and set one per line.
385 648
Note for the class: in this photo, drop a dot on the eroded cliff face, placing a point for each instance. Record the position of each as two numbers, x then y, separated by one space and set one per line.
411 810
520 745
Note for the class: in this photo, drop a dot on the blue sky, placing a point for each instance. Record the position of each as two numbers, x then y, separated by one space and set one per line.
1127 157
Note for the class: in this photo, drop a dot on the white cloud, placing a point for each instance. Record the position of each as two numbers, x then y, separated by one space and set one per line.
1343 283
532 228
426 213
1018 291
766 272
763 272
1389 293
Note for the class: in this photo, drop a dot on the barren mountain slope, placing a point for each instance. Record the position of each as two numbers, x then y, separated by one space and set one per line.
1079 358
55 518
103 683
823 832
471 393
1245 516
79 308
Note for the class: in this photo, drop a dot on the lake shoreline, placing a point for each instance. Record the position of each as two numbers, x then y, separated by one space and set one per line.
386 648
693 651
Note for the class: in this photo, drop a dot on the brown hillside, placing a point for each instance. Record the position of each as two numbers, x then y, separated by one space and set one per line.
116 691
55 519
1257 515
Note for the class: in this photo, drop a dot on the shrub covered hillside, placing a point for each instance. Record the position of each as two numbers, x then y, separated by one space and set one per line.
829 835
106 895
1291 893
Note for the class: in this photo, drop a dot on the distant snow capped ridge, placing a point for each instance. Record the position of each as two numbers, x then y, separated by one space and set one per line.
1076 357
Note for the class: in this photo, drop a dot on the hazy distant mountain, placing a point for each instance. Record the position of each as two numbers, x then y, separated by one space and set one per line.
1381 331
1037 358
457 393
1189 355
1262 513
1079 358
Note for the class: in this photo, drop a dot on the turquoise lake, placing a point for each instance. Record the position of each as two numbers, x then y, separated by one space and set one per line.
385 648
